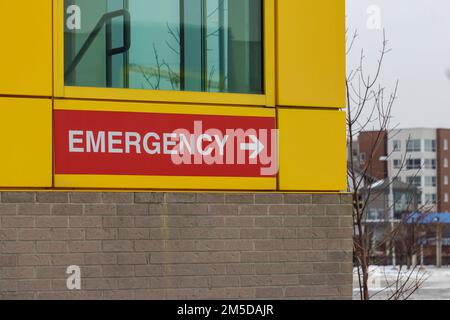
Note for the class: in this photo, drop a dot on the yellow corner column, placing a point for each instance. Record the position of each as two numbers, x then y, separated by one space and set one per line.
311 53
310 93
25 142
312 150
26 54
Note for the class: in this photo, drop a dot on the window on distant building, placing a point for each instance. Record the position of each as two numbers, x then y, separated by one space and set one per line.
397 145
413 145
445 163
373 214
430 145
397 164
430 198
446 180
362 157
179 45
430 181
445 144
419 199
413 164
446 197
415 181
429 164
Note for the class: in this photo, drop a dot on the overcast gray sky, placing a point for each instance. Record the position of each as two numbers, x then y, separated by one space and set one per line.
419 35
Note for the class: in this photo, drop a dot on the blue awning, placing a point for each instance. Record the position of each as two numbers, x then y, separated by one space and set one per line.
427 218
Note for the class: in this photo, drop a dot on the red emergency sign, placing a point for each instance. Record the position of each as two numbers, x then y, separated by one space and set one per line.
156 144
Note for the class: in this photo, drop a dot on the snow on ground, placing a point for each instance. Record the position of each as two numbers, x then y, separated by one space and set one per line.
383 281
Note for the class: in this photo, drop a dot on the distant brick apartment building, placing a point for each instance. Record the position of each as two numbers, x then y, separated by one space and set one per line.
417 156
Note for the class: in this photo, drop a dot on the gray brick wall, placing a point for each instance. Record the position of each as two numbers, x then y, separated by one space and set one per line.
176 245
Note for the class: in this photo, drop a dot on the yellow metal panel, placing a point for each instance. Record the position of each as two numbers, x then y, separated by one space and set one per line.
266 99
26 54
161 183
311 53
312 150
269 52
164 96
58 48
163 108
25 142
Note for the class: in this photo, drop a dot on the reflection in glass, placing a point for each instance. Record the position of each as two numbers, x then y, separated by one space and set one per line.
187 45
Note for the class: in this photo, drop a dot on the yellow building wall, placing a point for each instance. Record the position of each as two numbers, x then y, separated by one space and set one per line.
25 143
26 49
311 53
312 150
306 77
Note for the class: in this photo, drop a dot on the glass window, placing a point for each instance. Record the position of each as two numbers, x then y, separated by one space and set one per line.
413 164
430 145
362 157
430 164
445 163
397 164
430 198
397 145
445 144
430 181
445 197
404 202
446 180
183 45
415 181
413 145
374 214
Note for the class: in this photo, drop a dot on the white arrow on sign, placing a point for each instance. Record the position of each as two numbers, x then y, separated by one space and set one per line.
256 146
